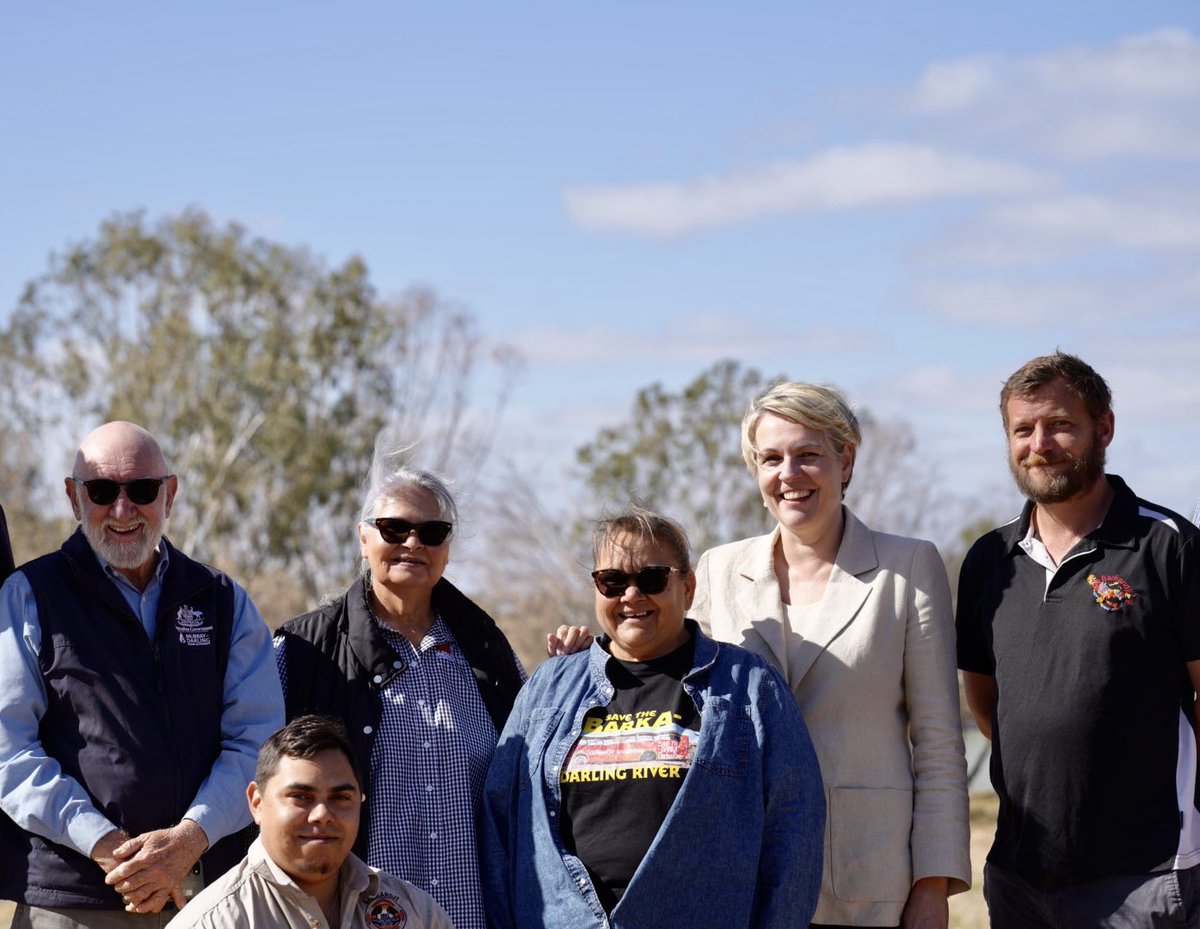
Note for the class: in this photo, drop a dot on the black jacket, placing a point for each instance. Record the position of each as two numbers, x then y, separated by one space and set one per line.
136 722
6 555
338 663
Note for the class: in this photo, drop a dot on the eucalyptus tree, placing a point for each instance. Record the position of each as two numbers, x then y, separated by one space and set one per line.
264 372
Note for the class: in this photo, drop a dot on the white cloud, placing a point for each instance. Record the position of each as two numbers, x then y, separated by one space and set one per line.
1080 299
1155 65
1140 96
862 177
1040 230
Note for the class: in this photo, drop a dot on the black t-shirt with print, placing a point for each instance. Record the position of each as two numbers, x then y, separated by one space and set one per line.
621 776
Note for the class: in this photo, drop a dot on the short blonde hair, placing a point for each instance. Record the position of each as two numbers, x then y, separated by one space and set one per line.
817 407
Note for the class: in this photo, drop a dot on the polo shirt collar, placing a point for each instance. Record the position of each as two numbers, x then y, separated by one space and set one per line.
1118 530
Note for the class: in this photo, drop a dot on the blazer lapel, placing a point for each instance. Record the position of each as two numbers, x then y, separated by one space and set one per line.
759 614
844 596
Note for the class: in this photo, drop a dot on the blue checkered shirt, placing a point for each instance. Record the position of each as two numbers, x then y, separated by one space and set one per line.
428 763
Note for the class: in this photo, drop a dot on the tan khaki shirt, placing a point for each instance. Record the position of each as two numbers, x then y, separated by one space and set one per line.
256 893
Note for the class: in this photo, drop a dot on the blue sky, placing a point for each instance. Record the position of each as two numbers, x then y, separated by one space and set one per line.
907 200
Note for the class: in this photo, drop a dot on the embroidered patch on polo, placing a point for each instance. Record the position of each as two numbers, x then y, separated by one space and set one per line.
1111 592
385 912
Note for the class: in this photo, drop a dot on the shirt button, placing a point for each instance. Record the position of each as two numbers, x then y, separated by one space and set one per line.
433 835
367 730
428 788
552 814
434 882
425 745
378 678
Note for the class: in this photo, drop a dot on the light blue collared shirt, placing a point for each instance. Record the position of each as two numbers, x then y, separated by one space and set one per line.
36 794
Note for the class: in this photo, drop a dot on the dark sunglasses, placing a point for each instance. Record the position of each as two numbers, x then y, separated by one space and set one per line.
104 492
394 531
649 580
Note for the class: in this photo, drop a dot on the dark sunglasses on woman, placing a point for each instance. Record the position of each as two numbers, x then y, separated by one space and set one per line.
649 580
394 531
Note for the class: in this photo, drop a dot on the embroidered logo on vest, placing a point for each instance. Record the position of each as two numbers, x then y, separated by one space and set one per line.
190 624
1111 592
385 912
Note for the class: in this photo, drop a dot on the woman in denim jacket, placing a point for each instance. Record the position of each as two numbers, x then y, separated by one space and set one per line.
658 779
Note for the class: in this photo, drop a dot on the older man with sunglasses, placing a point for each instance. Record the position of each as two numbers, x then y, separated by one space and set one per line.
136 686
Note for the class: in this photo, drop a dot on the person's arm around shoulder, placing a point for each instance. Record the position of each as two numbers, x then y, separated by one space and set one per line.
34 791
941 838
567 640
791 861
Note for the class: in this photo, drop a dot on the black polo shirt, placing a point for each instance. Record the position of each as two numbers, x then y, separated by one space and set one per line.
1093 753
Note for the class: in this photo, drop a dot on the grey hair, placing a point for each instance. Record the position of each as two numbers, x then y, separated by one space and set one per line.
391 474
644 527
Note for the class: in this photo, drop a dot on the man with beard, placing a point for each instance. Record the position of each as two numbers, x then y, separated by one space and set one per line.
136 686
1079 639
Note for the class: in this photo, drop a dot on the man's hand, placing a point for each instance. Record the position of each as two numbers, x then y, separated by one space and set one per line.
927 907
102 851
567 640
151 866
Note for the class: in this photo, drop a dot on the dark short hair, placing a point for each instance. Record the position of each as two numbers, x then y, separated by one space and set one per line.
305 737
1080 377
646 527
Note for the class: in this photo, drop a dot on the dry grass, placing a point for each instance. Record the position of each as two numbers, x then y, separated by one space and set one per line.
968 911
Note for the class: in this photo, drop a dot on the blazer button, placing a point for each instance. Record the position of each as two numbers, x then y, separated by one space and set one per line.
367 730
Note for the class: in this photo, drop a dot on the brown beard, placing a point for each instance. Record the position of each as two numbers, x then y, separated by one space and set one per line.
1086 469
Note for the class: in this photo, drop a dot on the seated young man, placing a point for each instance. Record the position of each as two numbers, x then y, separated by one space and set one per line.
305 797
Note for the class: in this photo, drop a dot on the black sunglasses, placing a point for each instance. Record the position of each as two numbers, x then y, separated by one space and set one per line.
104 492
394 531
649 580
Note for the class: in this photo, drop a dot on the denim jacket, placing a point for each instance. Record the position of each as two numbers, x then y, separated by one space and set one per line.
741 845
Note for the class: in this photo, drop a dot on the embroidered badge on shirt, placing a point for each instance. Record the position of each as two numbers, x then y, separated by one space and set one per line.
385 912
190 624
1111 592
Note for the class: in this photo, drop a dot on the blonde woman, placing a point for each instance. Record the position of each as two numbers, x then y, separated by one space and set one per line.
860 624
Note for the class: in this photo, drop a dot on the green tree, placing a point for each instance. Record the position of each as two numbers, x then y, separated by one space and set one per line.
680 453
265 373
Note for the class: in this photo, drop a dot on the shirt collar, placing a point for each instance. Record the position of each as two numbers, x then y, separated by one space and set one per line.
356 878
1117 530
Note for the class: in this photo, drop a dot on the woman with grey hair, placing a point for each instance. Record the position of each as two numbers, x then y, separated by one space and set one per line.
860 624
423 679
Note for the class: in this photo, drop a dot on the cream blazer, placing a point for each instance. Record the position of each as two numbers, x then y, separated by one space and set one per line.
877 685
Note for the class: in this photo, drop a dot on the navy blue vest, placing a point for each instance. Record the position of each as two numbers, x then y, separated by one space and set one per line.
136 722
